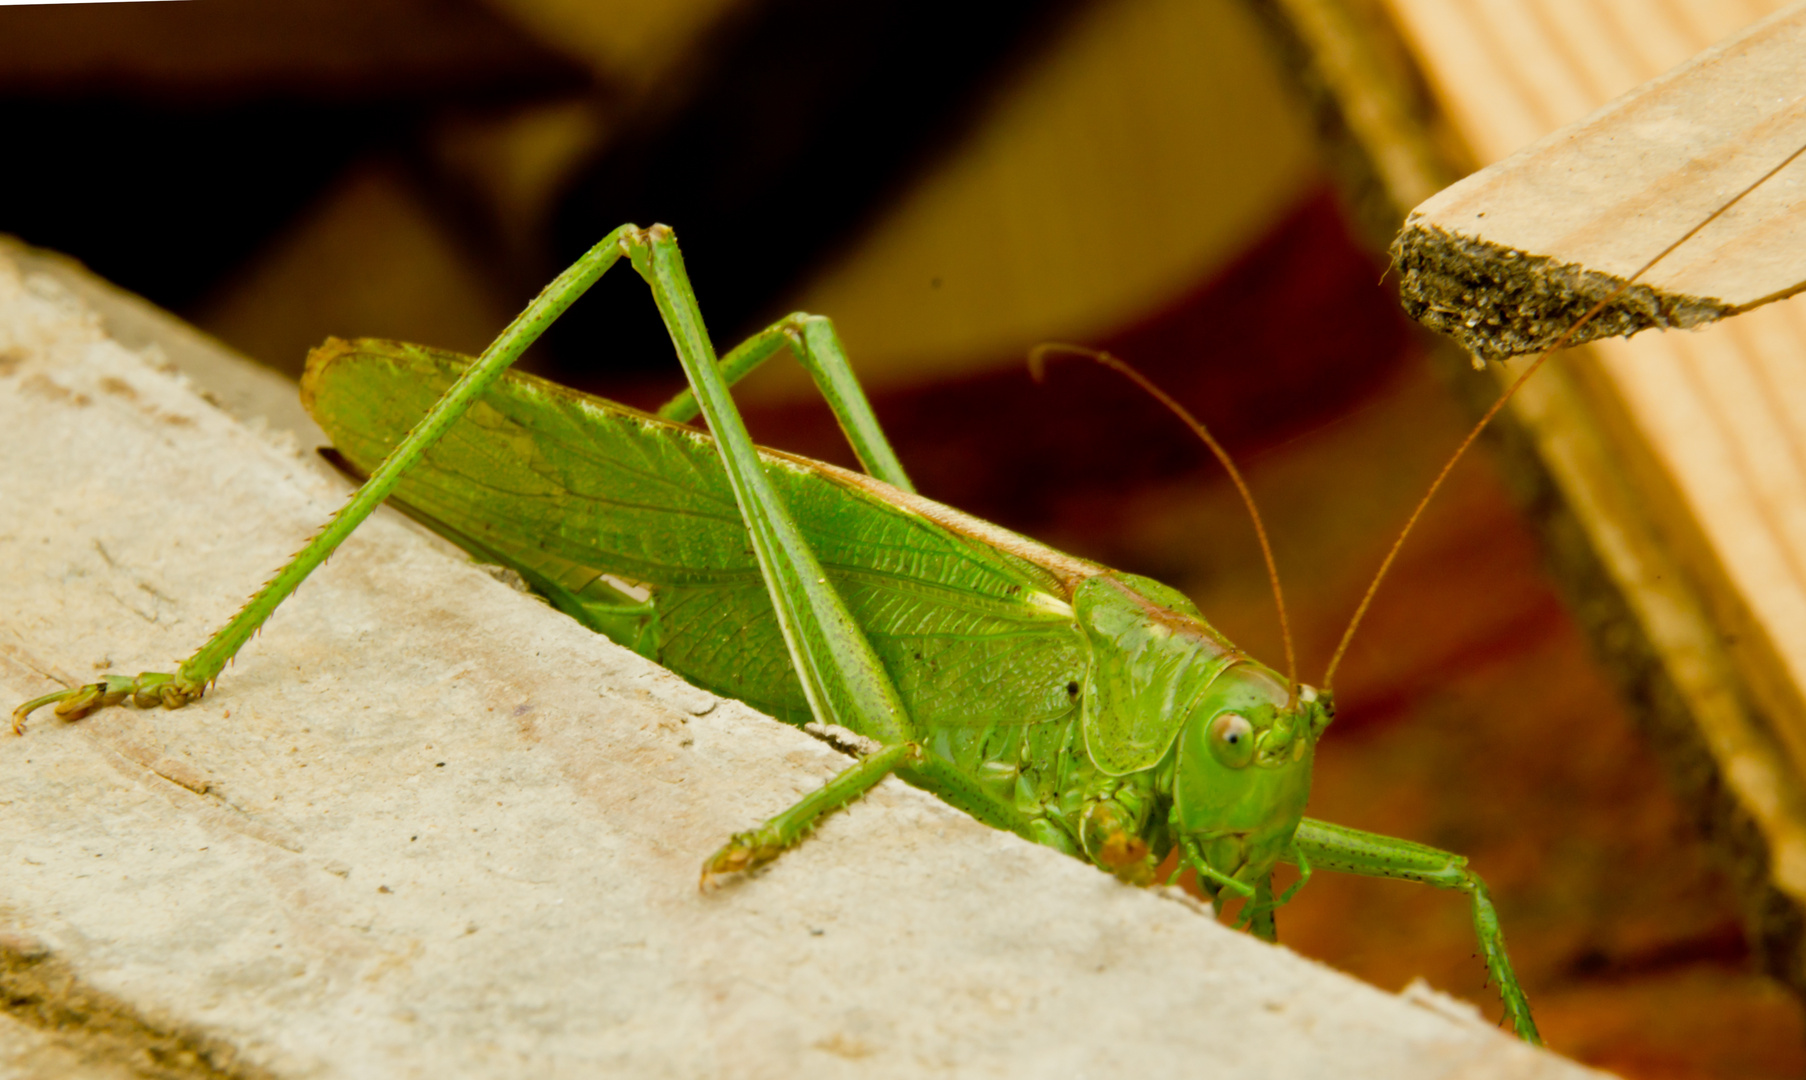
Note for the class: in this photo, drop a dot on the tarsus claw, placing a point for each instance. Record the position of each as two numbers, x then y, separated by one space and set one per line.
147 690
742 853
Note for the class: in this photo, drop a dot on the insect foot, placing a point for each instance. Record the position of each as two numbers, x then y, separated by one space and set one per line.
751 850
743 853
147 690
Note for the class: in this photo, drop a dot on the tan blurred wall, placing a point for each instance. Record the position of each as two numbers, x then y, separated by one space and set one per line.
1148 148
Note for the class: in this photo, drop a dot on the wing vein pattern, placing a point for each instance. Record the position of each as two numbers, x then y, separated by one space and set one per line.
567 488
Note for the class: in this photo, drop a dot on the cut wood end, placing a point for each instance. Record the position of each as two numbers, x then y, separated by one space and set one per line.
1499 301
1692 185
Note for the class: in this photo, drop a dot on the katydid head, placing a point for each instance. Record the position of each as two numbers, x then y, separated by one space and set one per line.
1165 687
1163 680
1242 773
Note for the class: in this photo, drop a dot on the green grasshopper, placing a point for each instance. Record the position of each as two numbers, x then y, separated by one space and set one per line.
1086 709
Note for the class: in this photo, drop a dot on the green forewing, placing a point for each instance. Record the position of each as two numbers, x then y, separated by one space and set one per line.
567 487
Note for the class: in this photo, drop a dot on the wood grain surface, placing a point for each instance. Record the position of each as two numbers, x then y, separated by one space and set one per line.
1707 155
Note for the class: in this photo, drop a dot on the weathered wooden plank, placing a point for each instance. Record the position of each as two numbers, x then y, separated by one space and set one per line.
1667 471
1508 258
1656 464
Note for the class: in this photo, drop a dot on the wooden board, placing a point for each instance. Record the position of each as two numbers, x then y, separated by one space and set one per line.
1507 259
1667 471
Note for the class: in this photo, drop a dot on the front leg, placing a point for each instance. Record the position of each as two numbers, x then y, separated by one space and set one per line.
1351 851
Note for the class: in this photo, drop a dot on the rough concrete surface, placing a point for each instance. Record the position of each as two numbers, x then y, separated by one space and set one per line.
425 826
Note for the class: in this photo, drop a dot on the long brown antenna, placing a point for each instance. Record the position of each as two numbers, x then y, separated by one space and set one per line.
1335 660
1037 366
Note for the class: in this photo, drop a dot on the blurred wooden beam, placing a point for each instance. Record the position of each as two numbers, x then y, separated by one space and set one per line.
1508 258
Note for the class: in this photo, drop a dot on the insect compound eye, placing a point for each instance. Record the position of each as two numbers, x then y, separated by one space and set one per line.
1232 740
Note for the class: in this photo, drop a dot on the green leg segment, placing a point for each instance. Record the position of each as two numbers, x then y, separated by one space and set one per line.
817 346
1351 851
751 850
1257 913
841 675
1210 879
